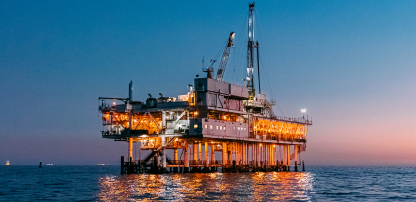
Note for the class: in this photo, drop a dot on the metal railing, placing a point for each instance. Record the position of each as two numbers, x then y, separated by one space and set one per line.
177 162
201 163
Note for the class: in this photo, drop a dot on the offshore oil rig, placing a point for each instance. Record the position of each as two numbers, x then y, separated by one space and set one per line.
214 117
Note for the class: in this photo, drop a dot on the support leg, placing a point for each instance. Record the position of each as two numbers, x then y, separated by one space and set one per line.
288 157
175 159
296 157
206 157
130 149
164 170
224 155
213 158
186 159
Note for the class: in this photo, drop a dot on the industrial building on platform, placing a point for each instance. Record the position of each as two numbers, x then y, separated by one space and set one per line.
214 117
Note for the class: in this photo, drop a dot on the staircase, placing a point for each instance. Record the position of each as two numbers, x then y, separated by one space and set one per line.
168 160
300 149
157 150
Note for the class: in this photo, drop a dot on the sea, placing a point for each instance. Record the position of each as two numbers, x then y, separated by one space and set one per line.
105 183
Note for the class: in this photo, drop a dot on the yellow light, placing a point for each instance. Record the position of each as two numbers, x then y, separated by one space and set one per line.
260 144
225 117
114 103
176 139
274 145
196 113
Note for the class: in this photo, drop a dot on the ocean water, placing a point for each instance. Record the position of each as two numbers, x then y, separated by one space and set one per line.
104 183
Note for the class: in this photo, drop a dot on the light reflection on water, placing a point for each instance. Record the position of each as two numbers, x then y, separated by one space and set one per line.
208 186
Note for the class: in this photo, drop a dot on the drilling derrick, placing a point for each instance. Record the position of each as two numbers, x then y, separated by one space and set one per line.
250 52
225 55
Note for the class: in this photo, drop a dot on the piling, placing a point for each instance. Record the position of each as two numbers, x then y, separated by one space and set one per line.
303 166
234 163
122 165
296 166
277 165
261 165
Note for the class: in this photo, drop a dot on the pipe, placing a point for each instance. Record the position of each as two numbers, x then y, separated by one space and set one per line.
131 91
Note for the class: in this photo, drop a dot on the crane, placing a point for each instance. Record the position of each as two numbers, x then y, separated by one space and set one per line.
224 59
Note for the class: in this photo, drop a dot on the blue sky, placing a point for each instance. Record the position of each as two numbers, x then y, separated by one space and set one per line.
350 63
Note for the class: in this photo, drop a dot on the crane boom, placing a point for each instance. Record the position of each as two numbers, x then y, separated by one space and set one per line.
224 59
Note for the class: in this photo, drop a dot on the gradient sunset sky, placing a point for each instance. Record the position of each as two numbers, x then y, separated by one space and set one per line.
351 64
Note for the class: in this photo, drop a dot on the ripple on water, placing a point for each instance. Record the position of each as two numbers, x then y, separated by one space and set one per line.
91 183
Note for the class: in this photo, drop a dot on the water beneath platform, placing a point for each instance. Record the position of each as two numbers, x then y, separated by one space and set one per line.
209 186
96 183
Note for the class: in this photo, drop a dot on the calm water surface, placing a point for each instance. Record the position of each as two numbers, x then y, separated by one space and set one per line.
104 183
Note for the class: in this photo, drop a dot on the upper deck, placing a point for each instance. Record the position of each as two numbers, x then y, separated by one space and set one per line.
213 109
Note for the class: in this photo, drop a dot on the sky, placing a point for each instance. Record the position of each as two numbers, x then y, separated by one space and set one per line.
351 64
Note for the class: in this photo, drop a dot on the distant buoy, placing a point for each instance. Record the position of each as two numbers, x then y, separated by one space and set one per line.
40 164
7 163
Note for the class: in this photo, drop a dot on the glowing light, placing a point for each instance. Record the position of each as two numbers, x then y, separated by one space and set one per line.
274 145
225 117
260 144
196 113
303 110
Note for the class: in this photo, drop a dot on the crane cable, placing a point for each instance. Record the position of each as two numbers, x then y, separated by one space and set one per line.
218 54
268 83
240 59
264 74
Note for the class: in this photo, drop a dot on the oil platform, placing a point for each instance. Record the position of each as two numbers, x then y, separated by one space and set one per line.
214 117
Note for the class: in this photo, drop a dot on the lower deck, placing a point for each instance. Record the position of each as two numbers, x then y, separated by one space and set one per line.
208 154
